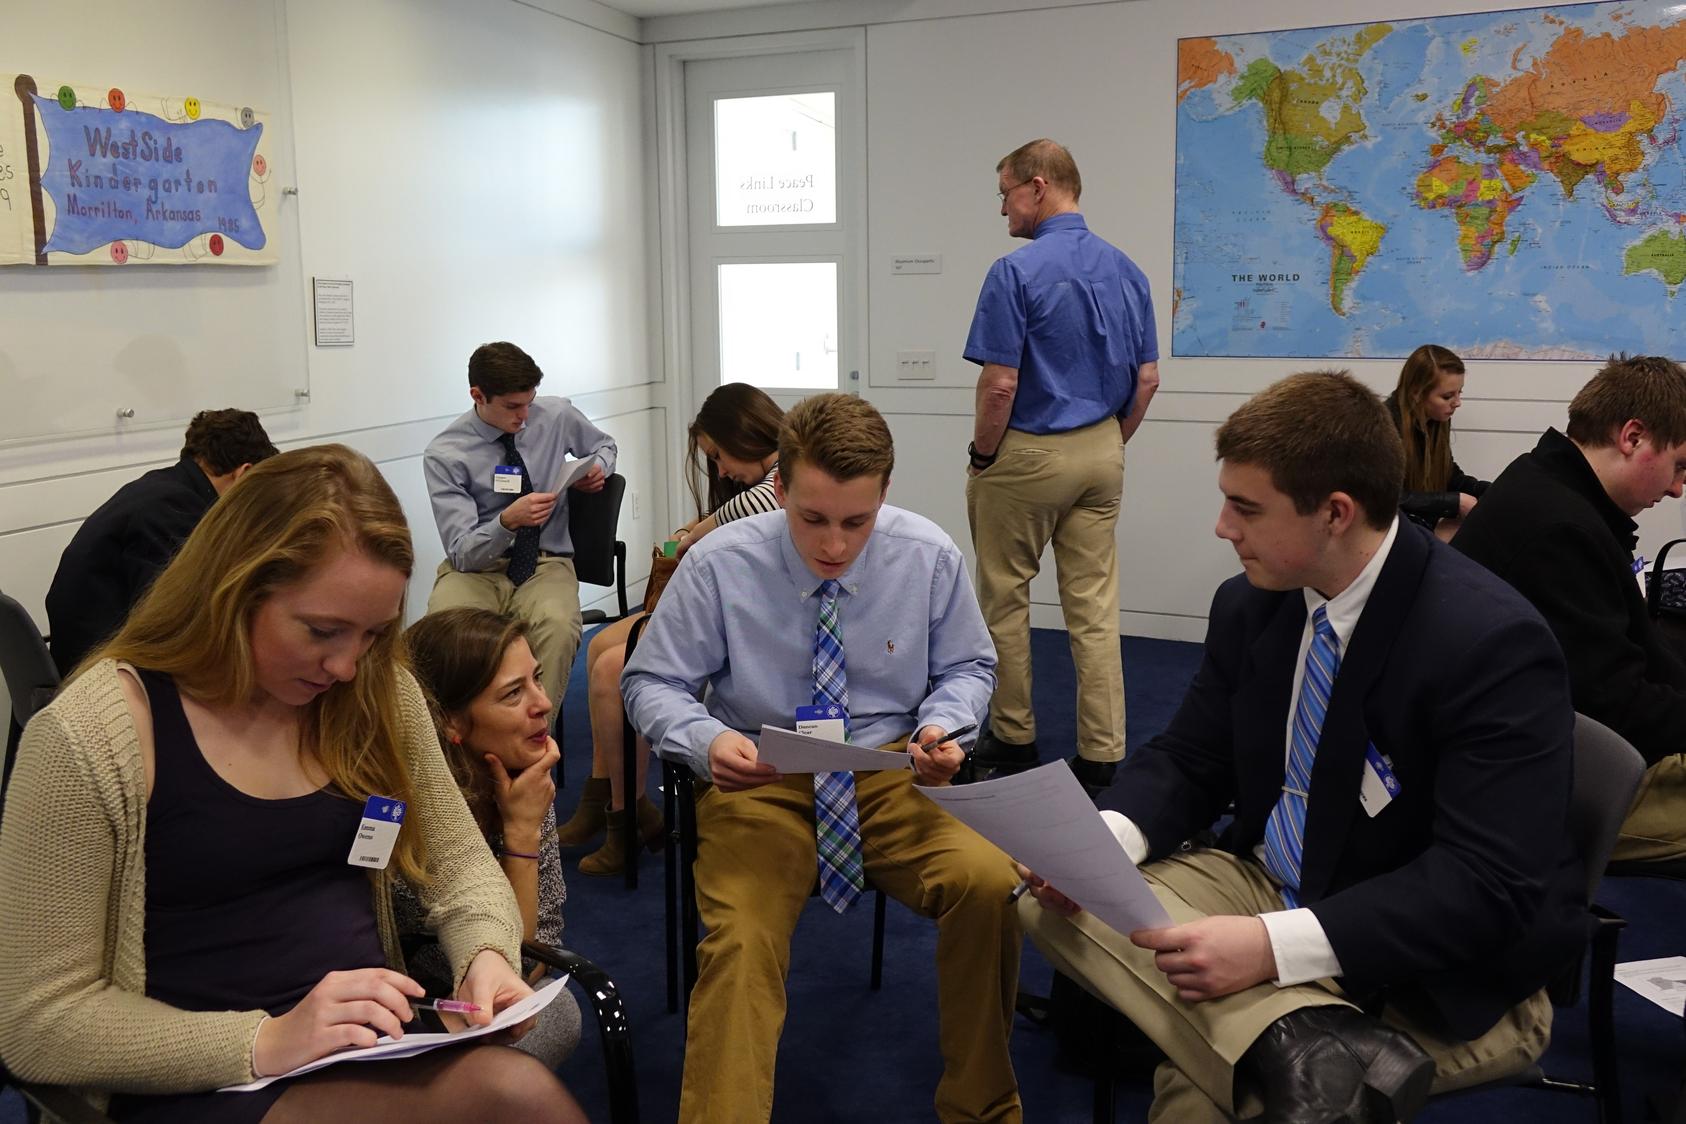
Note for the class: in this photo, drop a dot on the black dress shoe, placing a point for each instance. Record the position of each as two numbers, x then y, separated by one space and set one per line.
1095 775
994 757
1336 1065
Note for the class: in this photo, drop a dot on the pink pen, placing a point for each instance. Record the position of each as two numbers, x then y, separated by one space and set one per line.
453 1006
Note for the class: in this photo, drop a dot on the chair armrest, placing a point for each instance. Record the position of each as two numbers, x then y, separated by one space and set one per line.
612 1025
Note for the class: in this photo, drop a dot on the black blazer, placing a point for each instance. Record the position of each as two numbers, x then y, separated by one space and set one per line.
116 554
1548 528
1463 895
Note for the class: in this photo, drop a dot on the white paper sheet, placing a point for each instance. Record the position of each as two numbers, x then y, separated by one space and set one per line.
1662 981
1045 820
388 1049
790 752
572 471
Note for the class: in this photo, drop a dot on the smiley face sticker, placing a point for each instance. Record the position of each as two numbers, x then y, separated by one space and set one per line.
260 166
190 106
216 245
116 100
247 117
120 252
67 98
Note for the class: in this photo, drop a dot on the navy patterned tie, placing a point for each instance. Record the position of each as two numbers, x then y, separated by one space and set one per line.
1285 830
837 822
524 555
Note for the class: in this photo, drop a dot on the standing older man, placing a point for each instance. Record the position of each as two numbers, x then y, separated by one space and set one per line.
1065 335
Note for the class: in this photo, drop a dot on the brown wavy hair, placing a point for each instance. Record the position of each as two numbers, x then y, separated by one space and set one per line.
455 654
741 420
271 529
1428 443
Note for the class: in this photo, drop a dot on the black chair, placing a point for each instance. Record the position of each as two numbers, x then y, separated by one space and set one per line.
32 679
1607 774
599 559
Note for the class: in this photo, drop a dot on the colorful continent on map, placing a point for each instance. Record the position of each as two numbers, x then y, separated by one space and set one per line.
1587 108
1311 114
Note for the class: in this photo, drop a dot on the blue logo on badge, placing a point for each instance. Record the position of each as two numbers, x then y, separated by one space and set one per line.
383 808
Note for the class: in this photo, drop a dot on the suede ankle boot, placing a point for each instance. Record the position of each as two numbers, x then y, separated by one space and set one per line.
611 857
589 816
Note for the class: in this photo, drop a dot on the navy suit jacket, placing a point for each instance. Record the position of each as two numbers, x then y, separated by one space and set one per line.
117 553
1463 895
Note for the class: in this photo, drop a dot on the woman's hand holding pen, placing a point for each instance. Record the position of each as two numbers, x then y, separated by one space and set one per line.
491 984
346 1009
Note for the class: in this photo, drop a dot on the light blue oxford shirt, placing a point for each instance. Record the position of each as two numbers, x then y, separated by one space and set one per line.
458 465
739 618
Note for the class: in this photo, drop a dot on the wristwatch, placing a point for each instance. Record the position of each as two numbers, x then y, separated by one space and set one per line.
979 461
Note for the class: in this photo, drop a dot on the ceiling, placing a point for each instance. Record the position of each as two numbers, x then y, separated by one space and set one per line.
645 9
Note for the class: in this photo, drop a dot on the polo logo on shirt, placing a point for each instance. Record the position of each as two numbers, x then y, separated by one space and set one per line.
890 646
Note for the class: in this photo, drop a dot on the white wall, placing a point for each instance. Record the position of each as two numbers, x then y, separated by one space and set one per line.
955 84
476 167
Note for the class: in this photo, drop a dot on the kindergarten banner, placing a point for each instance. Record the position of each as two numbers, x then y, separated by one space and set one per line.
92 177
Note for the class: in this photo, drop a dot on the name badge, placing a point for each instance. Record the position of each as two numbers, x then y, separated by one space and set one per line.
823 721
506 478
382 816
1379 786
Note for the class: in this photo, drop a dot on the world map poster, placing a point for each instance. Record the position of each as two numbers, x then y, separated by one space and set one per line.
1511 185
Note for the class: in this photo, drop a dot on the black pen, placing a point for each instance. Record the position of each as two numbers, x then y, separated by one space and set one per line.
954 737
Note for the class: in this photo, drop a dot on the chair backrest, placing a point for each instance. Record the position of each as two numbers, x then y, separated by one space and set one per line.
31 676
1607 775
593 518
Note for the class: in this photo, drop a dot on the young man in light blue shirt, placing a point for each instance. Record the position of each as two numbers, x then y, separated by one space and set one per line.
836 599
491 477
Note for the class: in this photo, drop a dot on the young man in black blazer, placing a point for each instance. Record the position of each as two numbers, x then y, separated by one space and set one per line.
1561 530
1392 725
122 546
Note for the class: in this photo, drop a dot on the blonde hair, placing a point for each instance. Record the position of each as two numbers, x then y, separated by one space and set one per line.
272 528
1428 443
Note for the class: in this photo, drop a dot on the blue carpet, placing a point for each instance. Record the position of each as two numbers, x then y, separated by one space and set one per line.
886 1042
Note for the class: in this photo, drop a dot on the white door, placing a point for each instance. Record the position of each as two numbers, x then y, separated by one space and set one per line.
775 204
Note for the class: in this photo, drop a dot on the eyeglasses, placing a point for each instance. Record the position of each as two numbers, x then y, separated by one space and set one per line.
1002 195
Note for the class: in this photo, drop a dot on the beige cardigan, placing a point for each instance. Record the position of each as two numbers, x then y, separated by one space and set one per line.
73 1005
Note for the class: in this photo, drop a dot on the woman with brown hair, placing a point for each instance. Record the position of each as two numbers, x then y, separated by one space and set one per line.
1438 494
185 906
493 718
733 454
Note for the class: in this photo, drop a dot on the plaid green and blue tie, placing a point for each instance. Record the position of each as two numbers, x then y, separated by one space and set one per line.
837 824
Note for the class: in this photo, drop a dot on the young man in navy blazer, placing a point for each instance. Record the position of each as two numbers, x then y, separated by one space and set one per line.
1392 725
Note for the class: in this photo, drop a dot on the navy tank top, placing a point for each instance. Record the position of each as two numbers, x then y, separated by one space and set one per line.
249 902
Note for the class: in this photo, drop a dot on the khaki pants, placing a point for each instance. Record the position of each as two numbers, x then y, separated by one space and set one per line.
549 602
1204 1041
1655 828
755 869
1064 488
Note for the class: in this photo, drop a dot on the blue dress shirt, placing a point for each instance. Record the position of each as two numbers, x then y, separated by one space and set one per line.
458 465
1073 314
739 617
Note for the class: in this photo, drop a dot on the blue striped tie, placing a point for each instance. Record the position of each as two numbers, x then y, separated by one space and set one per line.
837 822
1285 831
